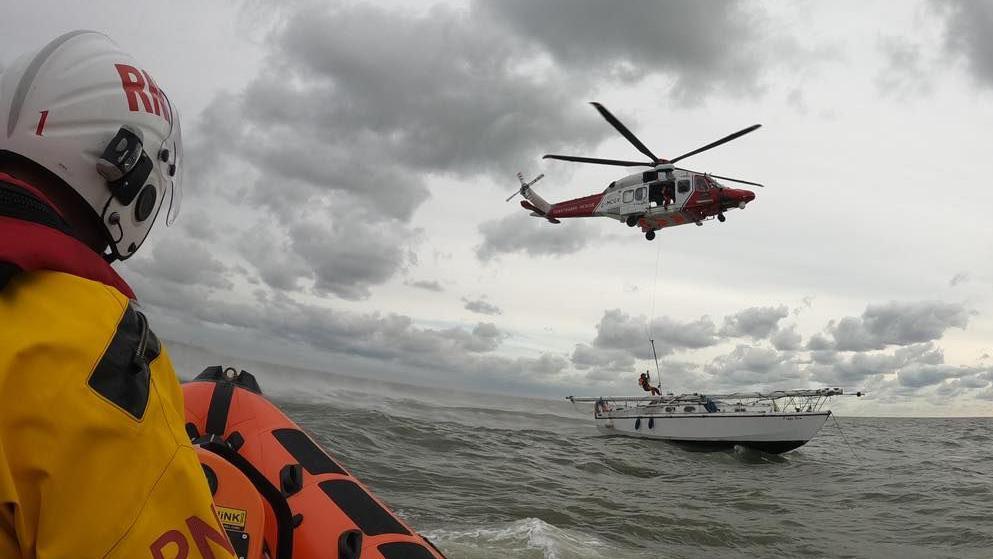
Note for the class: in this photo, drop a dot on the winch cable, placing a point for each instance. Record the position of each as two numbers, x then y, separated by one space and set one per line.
651 319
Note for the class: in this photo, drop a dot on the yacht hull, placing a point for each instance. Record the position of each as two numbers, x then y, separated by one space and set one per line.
768 432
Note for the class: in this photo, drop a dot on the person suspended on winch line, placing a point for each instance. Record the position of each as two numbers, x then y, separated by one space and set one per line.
94 457
645 382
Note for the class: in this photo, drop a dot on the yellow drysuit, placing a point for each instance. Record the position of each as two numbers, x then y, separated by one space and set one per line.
94 458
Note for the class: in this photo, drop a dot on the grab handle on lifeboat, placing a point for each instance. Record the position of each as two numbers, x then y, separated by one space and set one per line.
350 544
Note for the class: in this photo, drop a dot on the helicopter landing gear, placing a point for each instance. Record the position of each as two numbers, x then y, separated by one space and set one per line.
632 220
721 218
650 235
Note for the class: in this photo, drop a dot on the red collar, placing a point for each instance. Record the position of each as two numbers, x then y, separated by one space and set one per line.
32 246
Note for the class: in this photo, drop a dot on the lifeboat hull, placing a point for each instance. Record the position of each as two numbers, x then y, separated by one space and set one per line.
311 505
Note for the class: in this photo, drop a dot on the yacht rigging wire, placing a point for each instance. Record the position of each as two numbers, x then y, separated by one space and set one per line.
843 436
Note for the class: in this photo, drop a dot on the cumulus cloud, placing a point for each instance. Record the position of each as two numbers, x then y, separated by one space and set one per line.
618 330
892 323
602 364
481 306
858 367
786 339
920 374
756 322
967 26
427 285
755 366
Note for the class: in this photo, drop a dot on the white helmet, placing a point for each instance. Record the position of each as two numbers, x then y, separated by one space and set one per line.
86 111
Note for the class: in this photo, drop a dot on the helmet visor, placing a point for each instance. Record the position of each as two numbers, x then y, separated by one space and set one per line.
171 170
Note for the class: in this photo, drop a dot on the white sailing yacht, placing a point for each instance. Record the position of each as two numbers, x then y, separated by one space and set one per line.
773 422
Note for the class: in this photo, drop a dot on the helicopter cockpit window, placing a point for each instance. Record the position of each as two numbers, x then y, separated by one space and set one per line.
700 183
639 195
628 195
683 186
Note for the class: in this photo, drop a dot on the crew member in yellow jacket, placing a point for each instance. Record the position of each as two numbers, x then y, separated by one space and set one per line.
94 459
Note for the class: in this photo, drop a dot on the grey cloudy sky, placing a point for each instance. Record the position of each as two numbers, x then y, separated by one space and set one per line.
348 163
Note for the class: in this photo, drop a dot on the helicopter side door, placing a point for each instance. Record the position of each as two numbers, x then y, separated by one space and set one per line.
634 200
684 189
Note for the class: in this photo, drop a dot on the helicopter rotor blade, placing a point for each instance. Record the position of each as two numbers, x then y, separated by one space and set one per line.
730 179
625 132
597 161
723 140
738 180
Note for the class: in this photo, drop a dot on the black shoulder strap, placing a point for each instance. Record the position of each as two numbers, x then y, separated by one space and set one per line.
217 413
20 204
280 508
7 271
17 203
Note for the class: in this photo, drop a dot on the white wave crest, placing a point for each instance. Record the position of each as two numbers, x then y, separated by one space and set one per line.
526 538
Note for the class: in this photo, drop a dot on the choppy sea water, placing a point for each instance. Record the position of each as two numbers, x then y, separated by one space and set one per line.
497 477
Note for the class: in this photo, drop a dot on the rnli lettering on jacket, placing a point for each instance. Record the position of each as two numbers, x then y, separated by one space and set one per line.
94 458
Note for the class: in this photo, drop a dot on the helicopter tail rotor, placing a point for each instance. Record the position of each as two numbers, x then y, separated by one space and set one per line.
525 186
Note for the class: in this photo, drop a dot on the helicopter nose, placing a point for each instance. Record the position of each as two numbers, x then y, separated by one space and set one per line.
743 197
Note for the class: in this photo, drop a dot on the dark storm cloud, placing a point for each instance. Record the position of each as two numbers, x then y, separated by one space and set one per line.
346 257
892 323
340 252
198 225
756 322
703 46
481 306
444 91
967 34
269 249
619 331
358 117
519 232
357 105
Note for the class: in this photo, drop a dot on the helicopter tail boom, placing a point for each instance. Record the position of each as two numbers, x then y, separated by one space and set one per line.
537 212
534 202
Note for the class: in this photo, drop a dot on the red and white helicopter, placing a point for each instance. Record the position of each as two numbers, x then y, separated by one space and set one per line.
665 196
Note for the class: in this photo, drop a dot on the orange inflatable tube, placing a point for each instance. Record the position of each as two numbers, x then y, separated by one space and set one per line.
278 494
